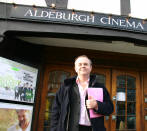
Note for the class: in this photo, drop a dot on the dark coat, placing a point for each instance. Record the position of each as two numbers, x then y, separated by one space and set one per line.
61 106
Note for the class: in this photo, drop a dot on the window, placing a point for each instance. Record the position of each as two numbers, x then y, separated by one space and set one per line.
126 103
56 78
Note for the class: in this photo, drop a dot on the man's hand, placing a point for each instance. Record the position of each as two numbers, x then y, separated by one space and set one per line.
91 103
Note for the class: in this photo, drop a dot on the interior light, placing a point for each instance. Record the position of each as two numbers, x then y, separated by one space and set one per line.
73 11
34 6
143 21
92 13
14 5
129 15
110 16
53 5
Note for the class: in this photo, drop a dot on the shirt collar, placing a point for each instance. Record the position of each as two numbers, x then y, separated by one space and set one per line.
78 81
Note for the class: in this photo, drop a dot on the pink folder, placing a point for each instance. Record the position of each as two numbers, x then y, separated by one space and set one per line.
97 94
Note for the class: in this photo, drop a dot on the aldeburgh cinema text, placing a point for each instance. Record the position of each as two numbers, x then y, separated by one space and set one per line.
81 18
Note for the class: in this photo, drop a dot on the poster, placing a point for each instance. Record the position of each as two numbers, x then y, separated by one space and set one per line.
17 81
15 117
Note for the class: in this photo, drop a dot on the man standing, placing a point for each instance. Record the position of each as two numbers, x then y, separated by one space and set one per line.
70 110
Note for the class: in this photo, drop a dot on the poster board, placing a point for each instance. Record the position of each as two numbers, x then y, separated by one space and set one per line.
17 81
14 115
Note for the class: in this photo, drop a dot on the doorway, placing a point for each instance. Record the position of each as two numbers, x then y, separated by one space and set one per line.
123 86
126 96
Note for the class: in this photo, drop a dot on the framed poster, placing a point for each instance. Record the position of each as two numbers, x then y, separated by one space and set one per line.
17 81
15 117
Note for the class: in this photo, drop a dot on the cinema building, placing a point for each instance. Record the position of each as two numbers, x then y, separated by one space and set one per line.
49 35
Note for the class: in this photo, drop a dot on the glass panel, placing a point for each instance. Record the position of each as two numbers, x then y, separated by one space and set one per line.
131 108
131 95
56 78
126 103
101 79
120 108
49 102
131 122
131 82
120 89
121 81
120 122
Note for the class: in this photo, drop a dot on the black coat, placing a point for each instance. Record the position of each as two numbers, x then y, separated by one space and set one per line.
60 109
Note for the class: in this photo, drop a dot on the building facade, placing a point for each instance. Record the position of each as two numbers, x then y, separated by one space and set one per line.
50 36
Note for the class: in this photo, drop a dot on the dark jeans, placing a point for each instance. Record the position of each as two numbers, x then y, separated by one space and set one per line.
85 128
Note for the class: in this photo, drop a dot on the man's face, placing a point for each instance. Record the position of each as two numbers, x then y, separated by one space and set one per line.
83 66
24 119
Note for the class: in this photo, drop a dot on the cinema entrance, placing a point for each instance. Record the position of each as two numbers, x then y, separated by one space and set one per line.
123 86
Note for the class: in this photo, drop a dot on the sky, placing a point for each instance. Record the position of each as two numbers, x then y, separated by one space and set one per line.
138 7
95 5
27 2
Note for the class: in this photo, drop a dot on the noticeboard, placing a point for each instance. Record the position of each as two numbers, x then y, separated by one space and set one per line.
17 81
15 117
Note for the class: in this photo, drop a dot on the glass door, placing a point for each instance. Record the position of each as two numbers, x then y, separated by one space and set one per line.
126 100
56 77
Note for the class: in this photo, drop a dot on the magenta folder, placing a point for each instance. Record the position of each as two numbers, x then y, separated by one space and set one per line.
97 94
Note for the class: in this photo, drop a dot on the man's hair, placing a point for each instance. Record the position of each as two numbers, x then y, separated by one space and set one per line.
23 110
85 57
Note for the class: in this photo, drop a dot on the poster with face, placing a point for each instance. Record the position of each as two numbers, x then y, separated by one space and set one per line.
15 117
17 81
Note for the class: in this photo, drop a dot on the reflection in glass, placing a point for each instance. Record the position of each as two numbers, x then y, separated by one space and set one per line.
131 95
120 89
101 79
131 108
121 81
120 108
120 122
131 122
56 78
126 103
49 102
131 82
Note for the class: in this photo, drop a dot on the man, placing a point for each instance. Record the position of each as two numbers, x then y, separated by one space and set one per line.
70 110
24 119
17 91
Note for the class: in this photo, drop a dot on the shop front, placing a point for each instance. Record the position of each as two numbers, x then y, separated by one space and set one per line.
125 85
50 40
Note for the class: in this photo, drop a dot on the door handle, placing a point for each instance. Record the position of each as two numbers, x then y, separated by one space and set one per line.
145 118
114 98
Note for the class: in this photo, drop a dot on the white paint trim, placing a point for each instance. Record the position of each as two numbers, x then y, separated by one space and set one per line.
115 46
